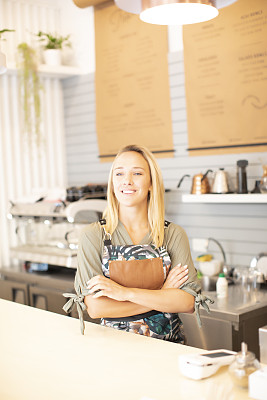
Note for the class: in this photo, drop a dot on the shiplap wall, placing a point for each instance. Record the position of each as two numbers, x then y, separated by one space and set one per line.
27 172
240 228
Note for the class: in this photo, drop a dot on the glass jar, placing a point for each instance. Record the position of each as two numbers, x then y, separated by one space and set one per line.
263 184
244 364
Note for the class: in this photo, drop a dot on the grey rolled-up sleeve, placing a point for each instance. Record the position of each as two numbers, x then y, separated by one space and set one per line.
194 289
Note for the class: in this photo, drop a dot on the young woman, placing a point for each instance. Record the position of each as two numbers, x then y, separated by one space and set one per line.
135 270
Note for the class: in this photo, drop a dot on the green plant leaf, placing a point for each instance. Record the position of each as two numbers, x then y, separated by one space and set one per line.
30 88
4 31
53 41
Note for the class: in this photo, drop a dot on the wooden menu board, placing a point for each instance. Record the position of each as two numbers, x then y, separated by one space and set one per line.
226 80
132 86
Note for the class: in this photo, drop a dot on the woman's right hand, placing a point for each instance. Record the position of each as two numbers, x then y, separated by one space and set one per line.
176 277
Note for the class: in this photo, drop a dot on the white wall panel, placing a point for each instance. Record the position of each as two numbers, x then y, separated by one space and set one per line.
241 228
26 171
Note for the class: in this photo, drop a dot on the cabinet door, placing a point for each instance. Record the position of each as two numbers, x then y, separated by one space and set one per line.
214 333
249 332
14 291
47 299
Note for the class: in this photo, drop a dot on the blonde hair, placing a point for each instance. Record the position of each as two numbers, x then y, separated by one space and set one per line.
156 210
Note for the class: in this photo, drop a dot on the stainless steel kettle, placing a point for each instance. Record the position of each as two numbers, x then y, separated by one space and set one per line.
220 182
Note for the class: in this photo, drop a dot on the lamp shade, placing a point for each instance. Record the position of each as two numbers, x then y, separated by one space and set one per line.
177 12
3 67
173 12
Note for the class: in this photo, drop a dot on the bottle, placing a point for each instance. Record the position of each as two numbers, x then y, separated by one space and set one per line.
242 176
221 286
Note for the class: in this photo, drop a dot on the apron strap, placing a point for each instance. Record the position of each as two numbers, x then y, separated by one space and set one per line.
103 222
107 236
166 224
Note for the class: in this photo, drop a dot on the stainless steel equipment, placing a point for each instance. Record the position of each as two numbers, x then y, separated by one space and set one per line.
47 231
92 191
259 263
231 321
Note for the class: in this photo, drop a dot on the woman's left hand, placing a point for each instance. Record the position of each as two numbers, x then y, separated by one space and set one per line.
101 286
176 277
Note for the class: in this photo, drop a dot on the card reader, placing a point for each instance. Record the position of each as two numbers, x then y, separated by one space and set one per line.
199 366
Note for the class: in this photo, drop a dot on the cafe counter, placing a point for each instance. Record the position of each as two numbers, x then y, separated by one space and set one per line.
44 356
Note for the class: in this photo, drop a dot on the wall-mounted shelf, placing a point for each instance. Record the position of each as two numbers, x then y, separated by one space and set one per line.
60 72
225 198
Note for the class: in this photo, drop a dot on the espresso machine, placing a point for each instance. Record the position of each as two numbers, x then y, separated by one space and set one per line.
47 231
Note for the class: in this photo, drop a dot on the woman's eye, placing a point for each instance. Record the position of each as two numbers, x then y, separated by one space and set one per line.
118 174
137 173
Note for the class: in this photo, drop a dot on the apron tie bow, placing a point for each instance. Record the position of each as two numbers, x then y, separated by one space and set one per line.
202 300
81 307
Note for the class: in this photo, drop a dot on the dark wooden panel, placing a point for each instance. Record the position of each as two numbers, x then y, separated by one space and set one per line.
14 291
47 299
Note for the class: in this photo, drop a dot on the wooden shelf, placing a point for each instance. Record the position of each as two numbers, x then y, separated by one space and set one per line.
225 198
60 72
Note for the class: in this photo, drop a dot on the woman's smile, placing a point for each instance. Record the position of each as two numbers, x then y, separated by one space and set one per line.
128 191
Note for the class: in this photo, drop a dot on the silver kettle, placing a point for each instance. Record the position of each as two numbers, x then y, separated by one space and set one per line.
220 182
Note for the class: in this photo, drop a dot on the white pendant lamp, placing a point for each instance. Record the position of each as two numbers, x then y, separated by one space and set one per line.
174 12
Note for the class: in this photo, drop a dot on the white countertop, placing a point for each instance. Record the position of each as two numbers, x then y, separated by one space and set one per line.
43 356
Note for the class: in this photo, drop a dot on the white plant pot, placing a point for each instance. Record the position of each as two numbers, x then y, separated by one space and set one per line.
52 57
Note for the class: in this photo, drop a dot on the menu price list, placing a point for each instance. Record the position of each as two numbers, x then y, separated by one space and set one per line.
226 80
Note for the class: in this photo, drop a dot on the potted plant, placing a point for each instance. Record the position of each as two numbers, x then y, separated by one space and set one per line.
53 45
2 55
30 92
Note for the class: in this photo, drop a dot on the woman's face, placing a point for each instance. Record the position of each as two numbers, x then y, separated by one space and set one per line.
131 179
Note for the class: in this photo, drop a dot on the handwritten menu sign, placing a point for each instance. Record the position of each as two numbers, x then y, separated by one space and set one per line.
132 87
226 80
